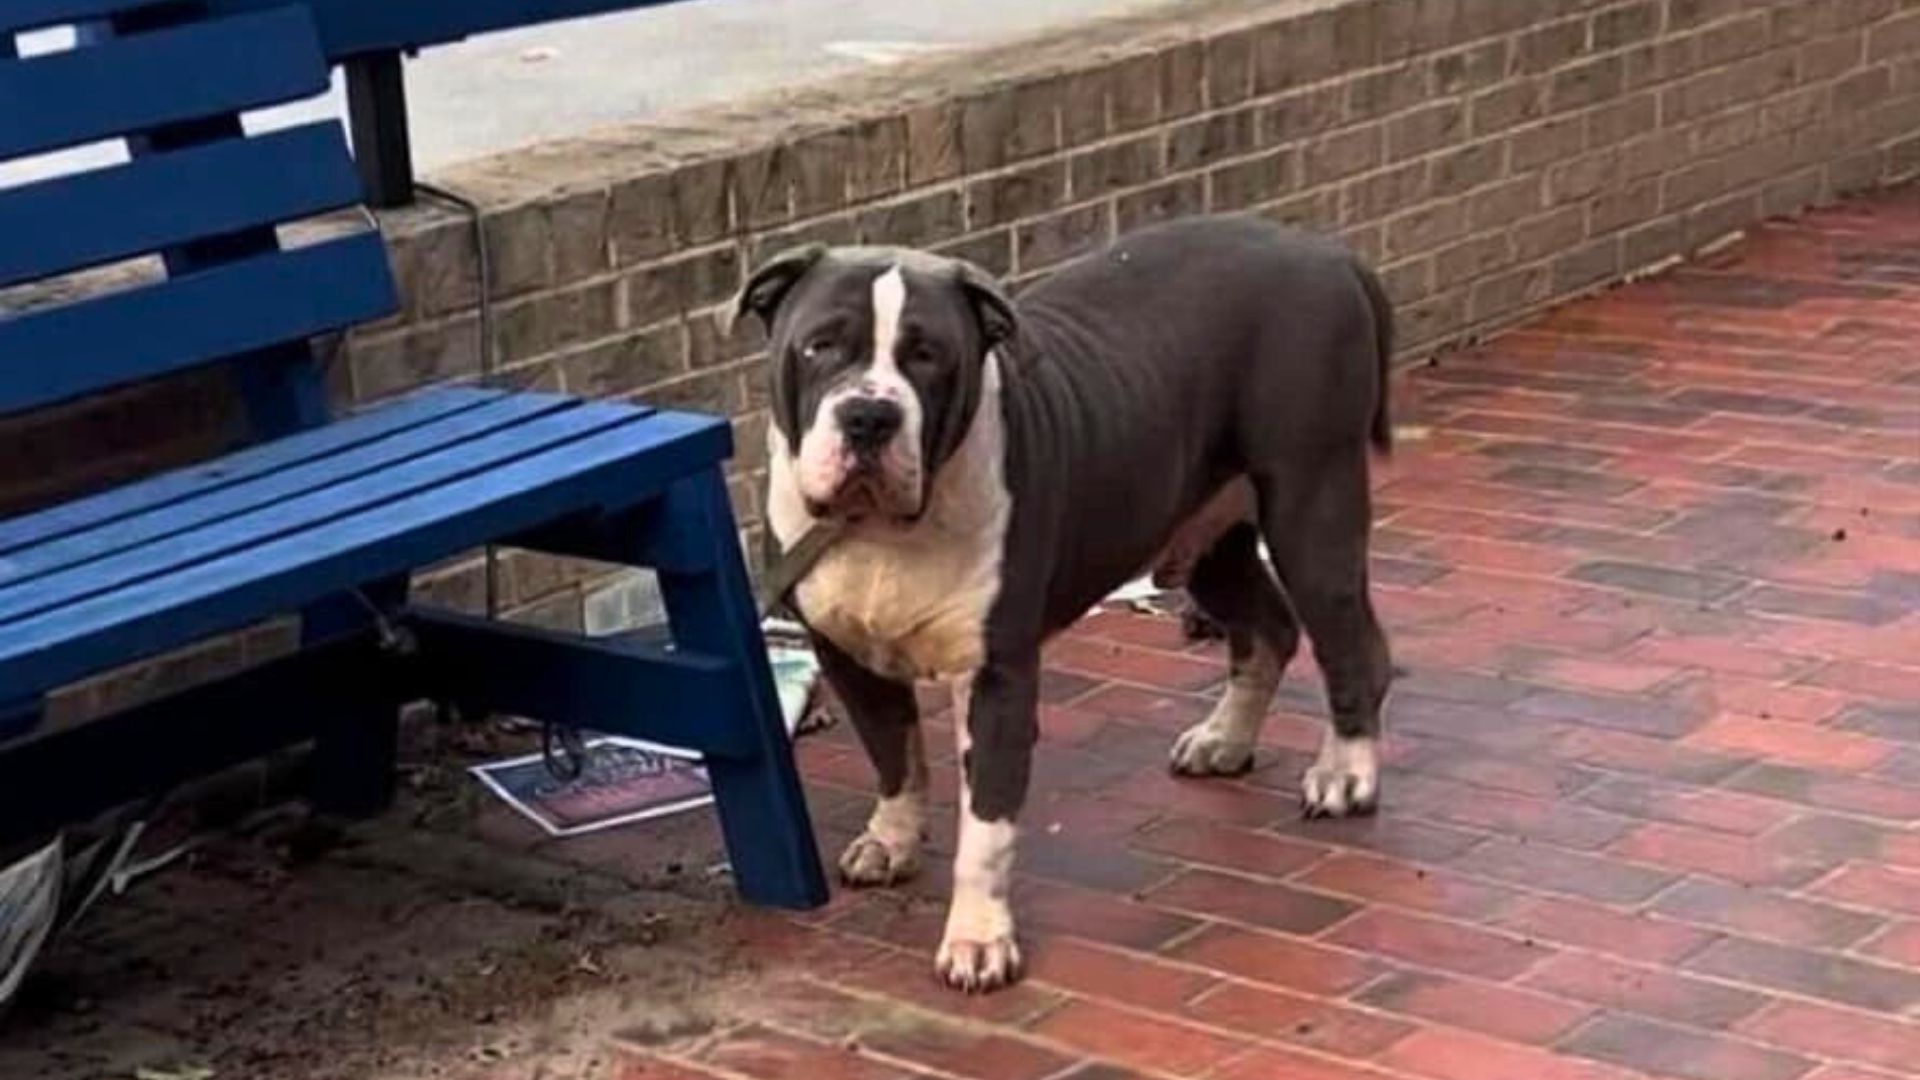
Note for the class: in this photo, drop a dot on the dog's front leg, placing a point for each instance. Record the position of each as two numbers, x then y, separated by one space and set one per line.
995 724
887 719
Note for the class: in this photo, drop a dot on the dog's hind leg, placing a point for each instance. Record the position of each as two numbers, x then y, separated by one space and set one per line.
1317 522
887 719
1230 584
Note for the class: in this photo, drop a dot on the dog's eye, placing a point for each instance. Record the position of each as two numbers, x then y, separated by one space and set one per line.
819 350
918 353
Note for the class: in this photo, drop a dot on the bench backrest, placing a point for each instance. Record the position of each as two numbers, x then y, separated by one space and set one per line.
198 191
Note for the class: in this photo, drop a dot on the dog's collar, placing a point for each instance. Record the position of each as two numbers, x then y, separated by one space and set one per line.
793 563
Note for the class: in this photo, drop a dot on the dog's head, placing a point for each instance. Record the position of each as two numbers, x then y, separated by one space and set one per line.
878 355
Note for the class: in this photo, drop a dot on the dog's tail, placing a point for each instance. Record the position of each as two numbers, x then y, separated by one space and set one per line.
1382 433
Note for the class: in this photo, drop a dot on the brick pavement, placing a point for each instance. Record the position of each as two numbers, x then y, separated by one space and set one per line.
1653 804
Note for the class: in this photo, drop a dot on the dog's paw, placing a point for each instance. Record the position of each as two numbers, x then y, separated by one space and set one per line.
1344 782
1205 750
978 953
978 967
871 862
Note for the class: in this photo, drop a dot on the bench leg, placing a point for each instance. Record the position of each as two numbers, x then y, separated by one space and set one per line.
763 811
355 754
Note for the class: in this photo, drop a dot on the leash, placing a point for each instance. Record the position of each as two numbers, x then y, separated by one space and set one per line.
562 748
786 570
793 564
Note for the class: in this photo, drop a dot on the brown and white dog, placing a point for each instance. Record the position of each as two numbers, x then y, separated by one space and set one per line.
997 469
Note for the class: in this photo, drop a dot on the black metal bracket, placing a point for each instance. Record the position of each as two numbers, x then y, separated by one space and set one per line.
377 114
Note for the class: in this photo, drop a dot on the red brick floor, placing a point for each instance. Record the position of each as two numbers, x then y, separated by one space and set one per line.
1653 565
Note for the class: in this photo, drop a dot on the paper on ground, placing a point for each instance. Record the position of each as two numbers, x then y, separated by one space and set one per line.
885 53
621 781
1142 595
627 780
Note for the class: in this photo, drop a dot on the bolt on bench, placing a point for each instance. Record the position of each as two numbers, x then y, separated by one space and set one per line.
320 516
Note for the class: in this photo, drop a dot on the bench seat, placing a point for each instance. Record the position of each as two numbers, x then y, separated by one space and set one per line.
179 557
327 524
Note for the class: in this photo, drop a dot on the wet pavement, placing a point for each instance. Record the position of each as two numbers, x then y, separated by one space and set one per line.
1652 563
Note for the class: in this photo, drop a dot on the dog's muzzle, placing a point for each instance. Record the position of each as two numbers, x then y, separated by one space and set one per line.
861 459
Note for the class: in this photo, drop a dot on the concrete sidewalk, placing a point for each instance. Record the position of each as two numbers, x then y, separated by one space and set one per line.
501 91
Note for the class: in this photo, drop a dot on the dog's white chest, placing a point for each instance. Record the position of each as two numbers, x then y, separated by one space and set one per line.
905 609
911 601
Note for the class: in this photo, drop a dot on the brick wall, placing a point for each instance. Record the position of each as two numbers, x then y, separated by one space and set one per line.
1490 156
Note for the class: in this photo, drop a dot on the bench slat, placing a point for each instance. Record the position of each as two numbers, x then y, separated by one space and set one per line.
243 465
616 466
73 222
464 461
53 354
145 81
128 533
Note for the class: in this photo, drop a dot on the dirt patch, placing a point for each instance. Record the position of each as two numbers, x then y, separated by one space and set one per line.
445 939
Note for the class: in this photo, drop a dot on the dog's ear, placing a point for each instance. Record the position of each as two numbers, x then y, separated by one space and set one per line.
991 304
769 284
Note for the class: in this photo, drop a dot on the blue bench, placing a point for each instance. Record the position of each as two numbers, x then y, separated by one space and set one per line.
320 516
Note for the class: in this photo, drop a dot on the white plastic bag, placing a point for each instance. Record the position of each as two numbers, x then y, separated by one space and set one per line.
29 904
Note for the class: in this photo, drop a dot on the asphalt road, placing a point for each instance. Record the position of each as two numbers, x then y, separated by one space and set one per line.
503 90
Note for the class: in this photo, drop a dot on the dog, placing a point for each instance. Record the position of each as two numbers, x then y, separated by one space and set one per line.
996 468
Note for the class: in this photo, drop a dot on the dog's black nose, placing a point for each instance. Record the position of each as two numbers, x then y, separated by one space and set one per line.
868 423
